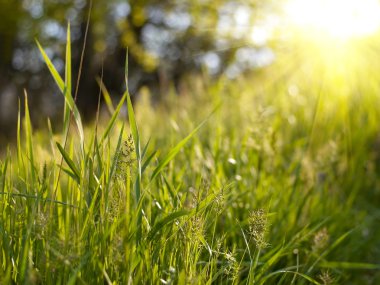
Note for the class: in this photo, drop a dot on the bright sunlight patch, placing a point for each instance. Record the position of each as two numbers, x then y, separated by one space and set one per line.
338 19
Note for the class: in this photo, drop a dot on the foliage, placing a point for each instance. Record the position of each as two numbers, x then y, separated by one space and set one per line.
167 41
275 189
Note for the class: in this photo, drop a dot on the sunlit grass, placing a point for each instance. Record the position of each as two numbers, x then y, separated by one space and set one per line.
270 180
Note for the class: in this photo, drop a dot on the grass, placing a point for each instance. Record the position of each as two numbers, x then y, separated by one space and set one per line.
237 182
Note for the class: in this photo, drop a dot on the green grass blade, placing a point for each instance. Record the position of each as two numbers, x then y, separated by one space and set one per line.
135 135
20 159
147 161
112 121
78 121
98 156
106 96
306 277
51 137
67 92
275 257
29 141
115 158
136 141
126 66
90 212
145 149
64 88
329 249
349 265
52 69
70 173
165 221
134 128
173 152
172 192
69 161
67 89
3 174
68 61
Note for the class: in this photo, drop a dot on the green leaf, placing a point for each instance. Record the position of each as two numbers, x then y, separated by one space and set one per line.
147 161
51 137
52 69
69 162
64 88
329 249
112 121
70 173
19 149
28 135
67 88
68 61
136 141
165 221
145 149
308 278
173 152
349 265
134 128
126 69
90 212
3 174
115 158
275 257
106 95
98 156
149 158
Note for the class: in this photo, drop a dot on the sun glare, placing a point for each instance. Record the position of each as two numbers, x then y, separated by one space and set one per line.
338 19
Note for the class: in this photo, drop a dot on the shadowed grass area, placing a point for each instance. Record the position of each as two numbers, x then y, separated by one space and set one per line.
245 181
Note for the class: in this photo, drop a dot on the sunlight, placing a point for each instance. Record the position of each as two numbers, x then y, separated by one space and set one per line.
338 19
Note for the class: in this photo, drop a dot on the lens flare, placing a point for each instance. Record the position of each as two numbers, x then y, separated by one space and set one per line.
339 19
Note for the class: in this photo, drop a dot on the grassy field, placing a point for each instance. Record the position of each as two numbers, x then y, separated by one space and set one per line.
270 180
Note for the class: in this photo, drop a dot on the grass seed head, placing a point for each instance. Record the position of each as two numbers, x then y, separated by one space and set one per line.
232 269
219 203
326 278
125 159
197 226
320 240
258 227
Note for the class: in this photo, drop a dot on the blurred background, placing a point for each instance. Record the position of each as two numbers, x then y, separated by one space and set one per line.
170 43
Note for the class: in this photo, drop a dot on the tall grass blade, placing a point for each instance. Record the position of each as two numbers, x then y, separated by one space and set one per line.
106 96
147 161
20 159
349 265
53 71
67 89
68 62
69 162
306 277
136 141
64 88
329 249
112 121
173 152
29 141
165 221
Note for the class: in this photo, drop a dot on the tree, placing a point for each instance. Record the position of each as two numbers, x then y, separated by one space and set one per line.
167 40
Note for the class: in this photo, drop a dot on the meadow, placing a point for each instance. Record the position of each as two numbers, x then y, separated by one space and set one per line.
271 178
